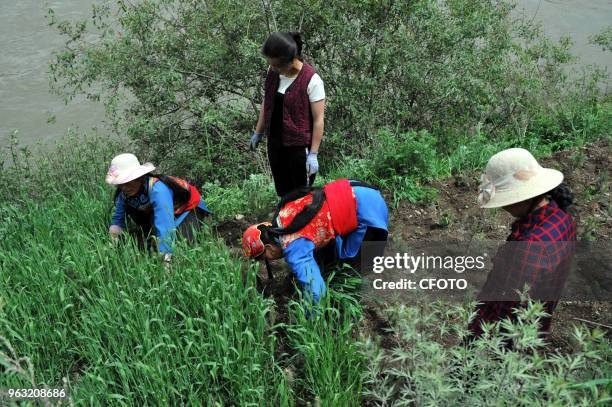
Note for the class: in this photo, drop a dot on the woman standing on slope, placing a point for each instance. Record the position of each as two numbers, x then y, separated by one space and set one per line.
291 114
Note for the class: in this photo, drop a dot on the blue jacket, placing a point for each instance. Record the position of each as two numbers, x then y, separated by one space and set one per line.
160 200
372 211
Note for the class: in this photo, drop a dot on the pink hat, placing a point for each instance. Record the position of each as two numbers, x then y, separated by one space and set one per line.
125 168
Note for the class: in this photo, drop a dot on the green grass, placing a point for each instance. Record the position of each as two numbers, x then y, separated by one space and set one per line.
117 328
115 322
111 321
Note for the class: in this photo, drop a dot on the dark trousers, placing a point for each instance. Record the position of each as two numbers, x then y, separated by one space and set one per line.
144 231
327 256
288 165
191 222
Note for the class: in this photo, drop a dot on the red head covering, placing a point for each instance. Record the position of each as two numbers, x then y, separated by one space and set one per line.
252 245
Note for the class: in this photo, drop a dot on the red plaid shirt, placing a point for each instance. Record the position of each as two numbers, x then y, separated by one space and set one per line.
537 253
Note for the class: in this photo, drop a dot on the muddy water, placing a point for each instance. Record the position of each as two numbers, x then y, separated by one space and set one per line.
26 43
579 19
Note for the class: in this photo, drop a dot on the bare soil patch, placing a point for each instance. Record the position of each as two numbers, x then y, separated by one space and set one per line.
454 216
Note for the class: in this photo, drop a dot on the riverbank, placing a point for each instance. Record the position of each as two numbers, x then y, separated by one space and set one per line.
111 323
39 116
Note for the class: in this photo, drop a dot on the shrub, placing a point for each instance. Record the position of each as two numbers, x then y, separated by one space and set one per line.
184 79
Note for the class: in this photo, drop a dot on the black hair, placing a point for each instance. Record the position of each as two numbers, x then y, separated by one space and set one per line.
562 196
266 237
284 46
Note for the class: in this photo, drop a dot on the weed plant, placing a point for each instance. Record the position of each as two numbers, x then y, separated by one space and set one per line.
111 320
433 365
255 196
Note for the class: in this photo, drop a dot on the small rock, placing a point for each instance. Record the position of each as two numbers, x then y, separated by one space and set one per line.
239 217
289 375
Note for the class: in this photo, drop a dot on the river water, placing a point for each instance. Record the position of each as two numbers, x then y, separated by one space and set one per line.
26 44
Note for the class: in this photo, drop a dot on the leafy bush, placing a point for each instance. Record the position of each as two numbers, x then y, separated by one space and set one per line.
406 154
184 79
604 39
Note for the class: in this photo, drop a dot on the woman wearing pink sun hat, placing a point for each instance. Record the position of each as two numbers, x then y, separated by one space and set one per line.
156 203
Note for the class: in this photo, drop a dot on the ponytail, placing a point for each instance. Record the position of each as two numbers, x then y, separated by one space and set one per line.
283 46
297 37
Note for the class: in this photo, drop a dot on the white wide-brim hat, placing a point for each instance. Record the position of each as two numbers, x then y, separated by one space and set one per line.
514 176
125 168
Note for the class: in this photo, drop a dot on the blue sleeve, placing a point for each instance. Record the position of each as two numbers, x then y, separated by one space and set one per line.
163 216
202 205
119 214
348 246
299 255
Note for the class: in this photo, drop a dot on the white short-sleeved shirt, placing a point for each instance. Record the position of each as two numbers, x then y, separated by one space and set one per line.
315 89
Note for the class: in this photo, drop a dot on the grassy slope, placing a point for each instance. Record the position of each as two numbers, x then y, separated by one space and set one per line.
120 328
116 326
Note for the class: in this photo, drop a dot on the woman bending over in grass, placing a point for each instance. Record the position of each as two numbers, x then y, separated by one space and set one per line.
537 253
340 216
156 203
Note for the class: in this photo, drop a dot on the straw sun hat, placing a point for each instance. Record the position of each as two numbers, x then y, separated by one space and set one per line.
125 168
513 176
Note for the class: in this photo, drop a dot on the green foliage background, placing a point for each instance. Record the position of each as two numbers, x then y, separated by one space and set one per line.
417 90
184 79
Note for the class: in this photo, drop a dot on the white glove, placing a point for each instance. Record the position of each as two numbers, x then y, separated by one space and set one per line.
167 260
312 164
115 231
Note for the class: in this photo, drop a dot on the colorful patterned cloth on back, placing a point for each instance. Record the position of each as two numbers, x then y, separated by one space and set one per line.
319 230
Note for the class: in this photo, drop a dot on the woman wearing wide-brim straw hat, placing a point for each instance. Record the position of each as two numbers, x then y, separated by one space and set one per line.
535 196
156 203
